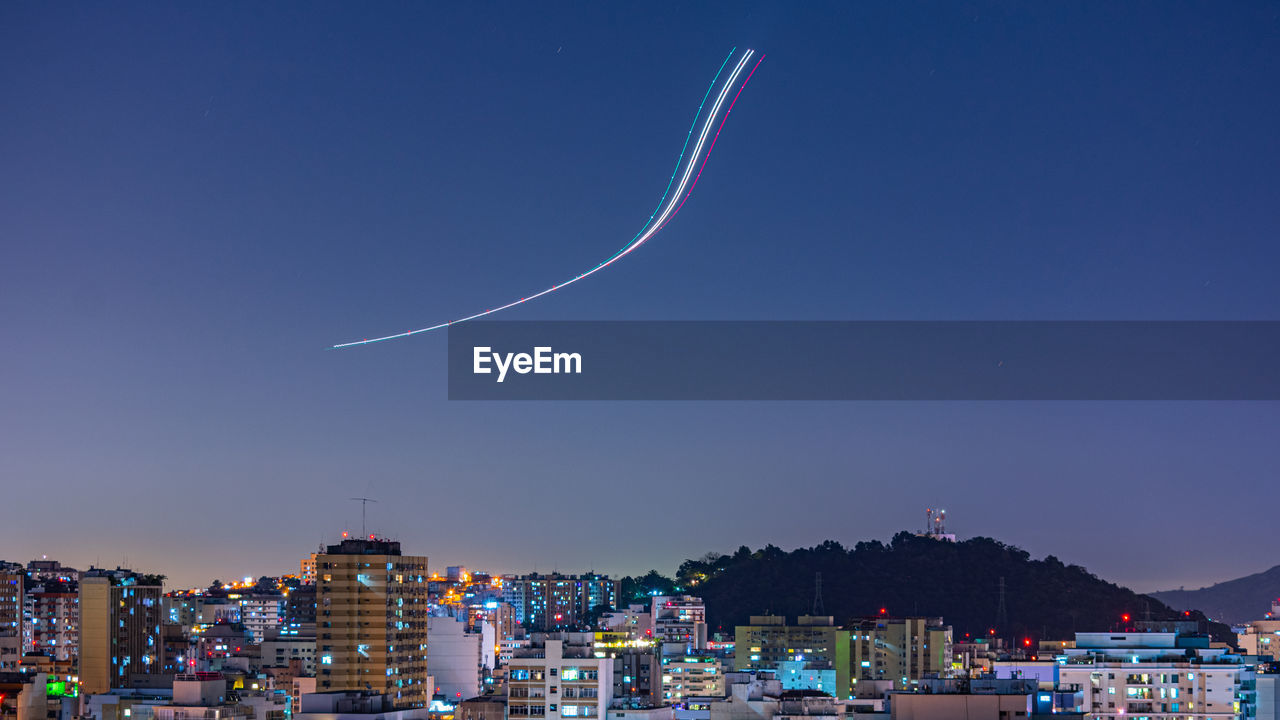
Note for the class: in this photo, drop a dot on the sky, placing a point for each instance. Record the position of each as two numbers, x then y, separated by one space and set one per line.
197 199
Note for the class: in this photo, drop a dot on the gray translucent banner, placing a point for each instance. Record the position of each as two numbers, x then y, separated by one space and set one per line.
864 361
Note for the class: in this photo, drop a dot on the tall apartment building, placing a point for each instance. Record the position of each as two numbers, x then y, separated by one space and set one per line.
551 602
371 621
555 680
901 650
53 617
120 617
813 654
679 619
12 628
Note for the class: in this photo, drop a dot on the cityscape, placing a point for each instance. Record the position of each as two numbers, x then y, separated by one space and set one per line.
363 629
662 360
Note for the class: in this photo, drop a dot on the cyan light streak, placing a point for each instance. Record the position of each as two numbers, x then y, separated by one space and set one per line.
657 220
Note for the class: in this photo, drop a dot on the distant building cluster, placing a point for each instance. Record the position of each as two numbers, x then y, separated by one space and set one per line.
365 631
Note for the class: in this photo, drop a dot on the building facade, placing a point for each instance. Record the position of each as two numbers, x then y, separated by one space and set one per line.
812 654
558 681
120 615
371 621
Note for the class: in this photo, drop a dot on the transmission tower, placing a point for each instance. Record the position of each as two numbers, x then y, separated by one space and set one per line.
1002 612
817 594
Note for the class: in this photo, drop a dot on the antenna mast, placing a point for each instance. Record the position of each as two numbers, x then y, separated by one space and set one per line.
364 503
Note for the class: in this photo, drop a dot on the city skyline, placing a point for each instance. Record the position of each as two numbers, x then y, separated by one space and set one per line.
196 202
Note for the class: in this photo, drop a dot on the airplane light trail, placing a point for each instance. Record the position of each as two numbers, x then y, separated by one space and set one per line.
657 221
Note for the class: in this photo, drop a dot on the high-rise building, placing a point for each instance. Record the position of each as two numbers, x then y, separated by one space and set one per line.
551 602
371 621
53 612
12 628
120 618
813 654
901 650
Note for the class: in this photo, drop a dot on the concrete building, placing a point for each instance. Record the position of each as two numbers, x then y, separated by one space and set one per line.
353 705
457 658
686 676
371 622
486 707
679 619
813 654
190 609
637 675
289 642
555 680
902 650
12 626
552 602
23 696
307 569
120 618
1261 637
261 613
52 609
635 620
1152 674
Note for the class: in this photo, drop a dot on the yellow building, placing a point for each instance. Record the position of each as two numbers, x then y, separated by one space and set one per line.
813 654
371 621
119 628
901 650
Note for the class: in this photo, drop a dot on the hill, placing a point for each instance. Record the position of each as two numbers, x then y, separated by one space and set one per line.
914 575
1233 601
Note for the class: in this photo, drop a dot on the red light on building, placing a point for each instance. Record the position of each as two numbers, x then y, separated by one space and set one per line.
1125 617
1026 642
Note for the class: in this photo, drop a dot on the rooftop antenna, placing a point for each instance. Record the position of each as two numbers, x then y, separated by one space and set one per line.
817 594
364 503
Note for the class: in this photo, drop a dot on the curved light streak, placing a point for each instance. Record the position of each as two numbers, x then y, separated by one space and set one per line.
656 221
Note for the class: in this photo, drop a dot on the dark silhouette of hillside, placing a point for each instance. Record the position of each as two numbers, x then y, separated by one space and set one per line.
913 575
1233 601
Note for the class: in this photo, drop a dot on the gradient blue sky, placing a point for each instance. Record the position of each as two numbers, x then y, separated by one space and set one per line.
197 199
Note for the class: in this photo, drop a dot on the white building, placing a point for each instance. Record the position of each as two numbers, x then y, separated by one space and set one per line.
261 614
1124 675
558 681
456 658
680 619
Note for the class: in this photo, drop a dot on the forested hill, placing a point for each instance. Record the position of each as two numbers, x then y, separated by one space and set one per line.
913 575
